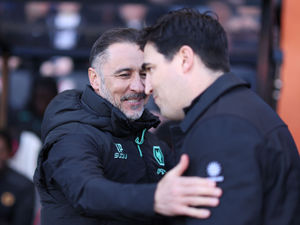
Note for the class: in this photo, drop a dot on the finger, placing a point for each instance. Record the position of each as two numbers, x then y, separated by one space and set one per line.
179 169
195 212
200 201
200 191
196 181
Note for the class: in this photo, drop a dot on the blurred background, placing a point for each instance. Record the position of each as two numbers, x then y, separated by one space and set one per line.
44 49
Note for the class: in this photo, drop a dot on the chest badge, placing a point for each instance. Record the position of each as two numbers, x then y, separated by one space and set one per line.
214 170
7 199
158 155
120 154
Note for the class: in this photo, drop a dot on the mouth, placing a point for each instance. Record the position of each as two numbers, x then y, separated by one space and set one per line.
134 100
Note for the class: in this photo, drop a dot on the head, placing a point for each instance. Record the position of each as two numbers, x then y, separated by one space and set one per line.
115 71
184 53
5 148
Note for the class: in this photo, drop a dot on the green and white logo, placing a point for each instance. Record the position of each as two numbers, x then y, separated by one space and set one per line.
120 154
119 147
158 155
160 171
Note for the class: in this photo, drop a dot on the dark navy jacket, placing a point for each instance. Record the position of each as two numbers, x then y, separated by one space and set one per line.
90 148
234 138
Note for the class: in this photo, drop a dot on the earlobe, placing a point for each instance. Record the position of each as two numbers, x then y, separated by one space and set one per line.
93 77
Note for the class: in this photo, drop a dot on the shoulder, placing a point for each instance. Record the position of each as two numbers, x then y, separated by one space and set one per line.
248 106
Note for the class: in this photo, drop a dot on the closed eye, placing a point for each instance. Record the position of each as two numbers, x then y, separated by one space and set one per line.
143 74
149 69
124 75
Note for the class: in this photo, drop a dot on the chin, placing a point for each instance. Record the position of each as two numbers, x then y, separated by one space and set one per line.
172 116
134 115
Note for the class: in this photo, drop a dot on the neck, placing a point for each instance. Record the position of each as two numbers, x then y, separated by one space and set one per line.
201 81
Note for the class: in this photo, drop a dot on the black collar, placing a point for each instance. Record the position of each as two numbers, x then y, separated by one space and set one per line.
119 124
201 103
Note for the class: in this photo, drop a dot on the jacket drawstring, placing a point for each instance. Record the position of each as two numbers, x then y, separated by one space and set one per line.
140 142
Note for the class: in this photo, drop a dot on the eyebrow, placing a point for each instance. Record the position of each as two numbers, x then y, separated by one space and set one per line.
122 70
144 66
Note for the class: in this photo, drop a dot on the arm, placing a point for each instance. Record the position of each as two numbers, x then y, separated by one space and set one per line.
74 166
80 177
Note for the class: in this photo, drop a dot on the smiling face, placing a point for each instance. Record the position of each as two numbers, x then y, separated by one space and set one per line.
120 79
164 82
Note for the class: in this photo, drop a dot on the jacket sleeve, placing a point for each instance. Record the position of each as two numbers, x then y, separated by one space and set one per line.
73 165
233 153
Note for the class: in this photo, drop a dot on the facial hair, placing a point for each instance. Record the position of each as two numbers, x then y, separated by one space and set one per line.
108 96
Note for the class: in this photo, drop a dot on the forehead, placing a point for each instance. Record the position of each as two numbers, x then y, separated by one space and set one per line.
125 54
151 55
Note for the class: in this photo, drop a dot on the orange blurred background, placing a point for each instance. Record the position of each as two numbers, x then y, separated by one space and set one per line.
289 103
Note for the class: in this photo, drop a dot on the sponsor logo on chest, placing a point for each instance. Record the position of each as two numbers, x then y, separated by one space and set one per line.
119 154
214 170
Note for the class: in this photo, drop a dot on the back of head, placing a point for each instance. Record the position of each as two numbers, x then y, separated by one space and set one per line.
203 33
116 35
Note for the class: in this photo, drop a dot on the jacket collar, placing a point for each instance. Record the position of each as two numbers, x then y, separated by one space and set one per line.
99 105
200 104
119 124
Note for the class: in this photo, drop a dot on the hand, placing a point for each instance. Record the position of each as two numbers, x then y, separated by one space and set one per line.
176 195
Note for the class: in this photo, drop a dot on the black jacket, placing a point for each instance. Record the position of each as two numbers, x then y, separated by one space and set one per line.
89 146
16 198
234 138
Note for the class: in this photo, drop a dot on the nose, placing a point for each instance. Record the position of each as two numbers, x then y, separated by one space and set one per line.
148 87
137 84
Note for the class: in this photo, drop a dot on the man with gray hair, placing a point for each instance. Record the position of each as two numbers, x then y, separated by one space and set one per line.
99 164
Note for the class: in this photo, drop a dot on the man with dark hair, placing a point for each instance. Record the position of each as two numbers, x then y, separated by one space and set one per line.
97 139
229 133
16 191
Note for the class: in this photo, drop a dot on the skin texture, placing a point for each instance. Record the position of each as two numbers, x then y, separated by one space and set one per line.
175 83
121 80
163 82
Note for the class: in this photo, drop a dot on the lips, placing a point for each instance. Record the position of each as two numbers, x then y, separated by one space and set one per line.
134 104
135 101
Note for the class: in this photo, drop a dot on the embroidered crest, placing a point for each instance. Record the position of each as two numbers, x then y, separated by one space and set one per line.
158 155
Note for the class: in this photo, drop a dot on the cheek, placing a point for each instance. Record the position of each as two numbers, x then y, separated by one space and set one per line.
156 80
116 88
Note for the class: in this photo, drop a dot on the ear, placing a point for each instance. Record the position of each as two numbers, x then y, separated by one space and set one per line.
187 58
94 79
